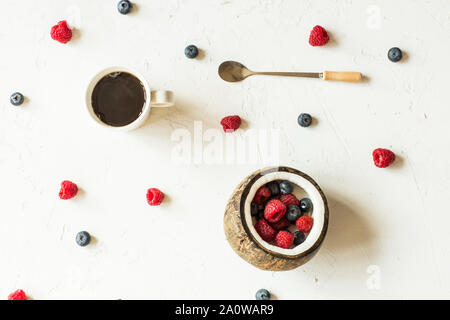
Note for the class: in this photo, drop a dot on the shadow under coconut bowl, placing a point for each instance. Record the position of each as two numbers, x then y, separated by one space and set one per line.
246 242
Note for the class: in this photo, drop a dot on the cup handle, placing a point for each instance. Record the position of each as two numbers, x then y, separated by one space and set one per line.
162 99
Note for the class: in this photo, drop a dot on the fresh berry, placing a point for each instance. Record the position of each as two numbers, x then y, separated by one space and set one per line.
124 6
306 205
318 36
284 239
272 197
305 223
261 195
293 213
299 237
154 197
16 99
395 54
266 232
383 157
260 214
18 295
262 294
274 187
191 51
83 238
254 209
282 224
61 32
231 123
304 120
68 190
289 199
286 187
274 211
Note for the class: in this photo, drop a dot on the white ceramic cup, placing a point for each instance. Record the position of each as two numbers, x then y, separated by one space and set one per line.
160 98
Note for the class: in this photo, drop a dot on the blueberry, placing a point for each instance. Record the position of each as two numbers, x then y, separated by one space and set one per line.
395 54
16 98
286 187
299 237
262 294
270 199
274 188
254 209
260 215
306 205
124 6
83 238
293 213
191 51
304 120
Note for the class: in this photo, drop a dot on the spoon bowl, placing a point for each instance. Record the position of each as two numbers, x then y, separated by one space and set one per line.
233 71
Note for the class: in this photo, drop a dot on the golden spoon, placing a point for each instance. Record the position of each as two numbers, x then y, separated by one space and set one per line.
233 71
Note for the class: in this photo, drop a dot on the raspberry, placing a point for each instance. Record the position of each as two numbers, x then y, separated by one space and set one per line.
284 239
265 230
231 123
305 223
261 195
383 157
154 197
274 211
282 224
289 199
61 32
318 36
68 190
18 295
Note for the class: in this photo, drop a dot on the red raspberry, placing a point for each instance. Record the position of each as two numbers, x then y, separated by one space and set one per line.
305 223
284 239
261 195
274 211
68 190
18 295
265 230
383 157
282 224
231 123
289 199
61 32
154 197
318 36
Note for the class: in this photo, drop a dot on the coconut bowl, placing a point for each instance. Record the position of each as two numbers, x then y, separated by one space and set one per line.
246 242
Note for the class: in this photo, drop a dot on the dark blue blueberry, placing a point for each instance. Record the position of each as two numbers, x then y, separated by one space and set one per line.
83 238
293 213
16 98
254 209
306 205
304 120
286 187
270 199
274 188
262 294
124 6
260 215
299 237
395 54
191 51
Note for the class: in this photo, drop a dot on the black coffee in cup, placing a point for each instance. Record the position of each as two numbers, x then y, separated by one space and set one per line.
118 99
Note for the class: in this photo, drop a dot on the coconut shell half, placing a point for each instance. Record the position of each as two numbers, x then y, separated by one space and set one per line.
244 239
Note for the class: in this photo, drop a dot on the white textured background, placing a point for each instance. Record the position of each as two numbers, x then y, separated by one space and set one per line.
396 218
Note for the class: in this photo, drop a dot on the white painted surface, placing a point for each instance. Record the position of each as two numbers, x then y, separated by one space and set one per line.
393 222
